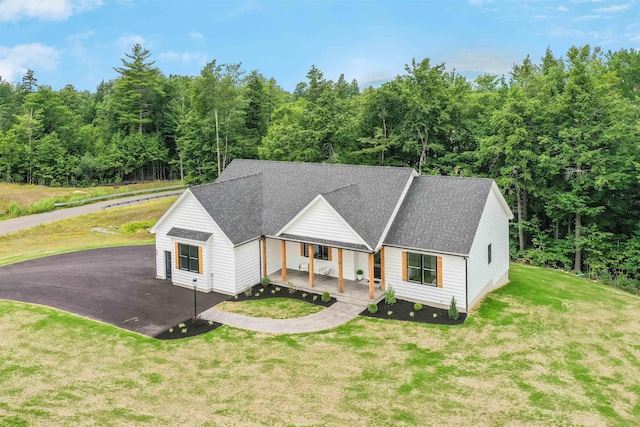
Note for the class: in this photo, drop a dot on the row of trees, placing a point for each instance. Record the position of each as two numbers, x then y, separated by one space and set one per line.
559 135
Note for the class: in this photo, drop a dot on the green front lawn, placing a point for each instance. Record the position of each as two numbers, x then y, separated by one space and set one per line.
274 308
547 349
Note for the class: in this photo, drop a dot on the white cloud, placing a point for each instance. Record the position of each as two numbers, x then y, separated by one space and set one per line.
14 61
481 60
184 56
195 35
47 10
586 18
614 8
570 32
126 41
562 9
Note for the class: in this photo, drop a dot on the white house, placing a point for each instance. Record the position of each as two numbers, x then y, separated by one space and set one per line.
429 237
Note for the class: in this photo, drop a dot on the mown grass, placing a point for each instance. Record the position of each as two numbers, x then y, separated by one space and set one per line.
547 349
18 200
119 226
274 308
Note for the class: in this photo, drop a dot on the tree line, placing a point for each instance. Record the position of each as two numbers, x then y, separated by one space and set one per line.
559 135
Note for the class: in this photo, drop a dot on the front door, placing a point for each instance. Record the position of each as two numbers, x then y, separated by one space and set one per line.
167 265
376 266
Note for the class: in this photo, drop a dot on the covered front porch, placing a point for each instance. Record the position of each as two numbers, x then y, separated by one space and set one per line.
324 266
354 291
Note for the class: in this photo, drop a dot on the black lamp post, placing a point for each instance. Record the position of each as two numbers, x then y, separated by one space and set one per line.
195 293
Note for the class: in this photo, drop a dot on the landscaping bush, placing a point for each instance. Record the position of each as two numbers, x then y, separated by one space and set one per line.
265 281
326 296
14 209
390 296
42 205
453 310
417 306
373 308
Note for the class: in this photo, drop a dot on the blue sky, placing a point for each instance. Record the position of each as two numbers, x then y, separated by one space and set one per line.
80 41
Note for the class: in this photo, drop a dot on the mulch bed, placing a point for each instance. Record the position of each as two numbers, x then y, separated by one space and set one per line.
191 330
401 309
277 291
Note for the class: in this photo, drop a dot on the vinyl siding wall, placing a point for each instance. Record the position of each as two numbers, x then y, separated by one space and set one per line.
248 265
321 221
217 253
493 229
453 279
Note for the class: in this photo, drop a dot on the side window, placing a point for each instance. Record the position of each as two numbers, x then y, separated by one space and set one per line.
489 254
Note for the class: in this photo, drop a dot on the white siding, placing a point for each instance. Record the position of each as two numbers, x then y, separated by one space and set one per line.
218 253
274 255
493 229
321 221
247 265
453 280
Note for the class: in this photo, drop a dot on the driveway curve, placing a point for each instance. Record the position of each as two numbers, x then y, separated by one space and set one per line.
112 285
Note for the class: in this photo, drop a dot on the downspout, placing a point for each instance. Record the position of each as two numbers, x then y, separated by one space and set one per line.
260 258
466 285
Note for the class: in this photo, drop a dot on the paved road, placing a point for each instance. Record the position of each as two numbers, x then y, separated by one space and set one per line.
17 224
331 317
113 285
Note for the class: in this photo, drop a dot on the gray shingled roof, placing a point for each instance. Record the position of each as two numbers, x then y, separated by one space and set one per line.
440 214
199 236
253 198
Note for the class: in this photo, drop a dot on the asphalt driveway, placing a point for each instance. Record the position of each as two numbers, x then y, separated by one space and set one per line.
113 285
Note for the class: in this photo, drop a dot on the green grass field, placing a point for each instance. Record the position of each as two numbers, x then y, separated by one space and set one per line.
17 200
547 349
79 232
273 308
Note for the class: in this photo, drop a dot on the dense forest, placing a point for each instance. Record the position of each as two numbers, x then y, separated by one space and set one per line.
560 136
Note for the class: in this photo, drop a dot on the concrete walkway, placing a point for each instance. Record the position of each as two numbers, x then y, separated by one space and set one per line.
335 315
24 222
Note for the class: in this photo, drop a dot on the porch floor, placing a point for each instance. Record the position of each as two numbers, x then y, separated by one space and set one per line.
354 291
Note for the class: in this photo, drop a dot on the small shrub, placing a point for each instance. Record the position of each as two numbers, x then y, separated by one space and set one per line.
261 290
42 205
292 288
390 296
137 226
435 315
184 330
14 209
265 281
453 310
315 297
210 322
273 291
372 308
412 314
181 325
389 313
417 306
326 296
360 272
198 321
248 292
278 288
235 297
304 295
170 330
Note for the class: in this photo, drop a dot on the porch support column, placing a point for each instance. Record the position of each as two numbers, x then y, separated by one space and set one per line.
382 279
311 276
371 278
340 275
284 261
264 257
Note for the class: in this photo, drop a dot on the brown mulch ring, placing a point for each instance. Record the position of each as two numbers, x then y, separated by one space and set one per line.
402 310
277 291
188 329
